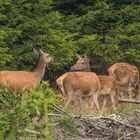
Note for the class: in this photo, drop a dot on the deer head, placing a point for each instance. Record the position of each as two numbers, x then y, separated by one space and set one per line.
82 64
45 57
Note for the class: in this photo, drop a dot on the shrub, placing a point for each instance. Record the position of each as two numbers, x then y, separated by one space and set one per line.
17 115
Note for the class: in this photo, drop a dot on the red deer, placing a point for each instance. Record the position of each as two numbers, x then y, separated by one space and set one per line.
21 81
109 86
82 64
79 84
127 74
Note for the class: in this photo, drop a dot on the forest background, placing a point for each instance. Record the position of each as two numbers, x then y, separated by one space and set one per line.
107 31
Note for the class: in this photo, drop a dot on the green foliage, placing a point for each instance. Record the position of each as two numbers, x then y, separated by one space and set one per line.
107 31
126 111
26 25
68 124
5 57
16 115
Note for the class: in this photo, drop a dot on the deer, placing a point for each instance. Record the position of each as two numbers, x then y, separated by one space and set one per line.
22 81
127 74
82 64
109 85
79 85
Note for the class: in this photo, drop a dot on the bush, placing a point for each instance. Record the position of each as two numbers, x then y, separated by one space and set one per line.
68 124
17 115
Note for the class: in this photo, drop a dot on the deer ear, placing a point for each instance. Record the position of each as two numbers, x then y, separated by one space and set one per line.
78 56
36 51
40 51
86 58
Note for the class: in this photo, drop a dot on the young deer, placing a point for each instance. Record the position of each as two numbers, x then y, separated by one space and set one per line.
79 84
128 75
21 81
109 85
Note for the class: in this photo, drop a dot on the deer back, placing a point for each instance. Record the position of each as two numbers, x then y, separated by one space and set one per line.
17 81
84 82
124 72
20 81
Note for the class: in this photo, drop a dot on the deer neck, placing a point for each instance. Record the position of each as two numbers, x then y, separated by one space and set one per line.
88 68
40 69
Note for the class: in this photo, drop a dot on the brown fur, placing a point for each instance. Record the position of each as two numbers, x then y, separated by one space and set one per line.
79 84
127 74
20 81
111 87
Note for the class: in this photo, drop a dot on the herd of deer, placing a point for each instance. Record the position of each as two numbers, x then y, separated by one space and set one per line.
80 83
123 79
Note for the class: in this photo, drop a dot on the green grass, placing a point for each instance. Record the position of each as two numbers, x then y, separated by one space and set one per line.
16 115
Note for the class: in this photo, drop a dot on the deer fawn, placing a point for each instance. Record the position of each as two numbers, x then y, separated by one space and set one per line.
128 75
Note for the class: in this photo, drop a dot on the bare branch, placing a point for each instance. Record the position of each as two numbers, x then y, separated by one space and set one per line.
129 101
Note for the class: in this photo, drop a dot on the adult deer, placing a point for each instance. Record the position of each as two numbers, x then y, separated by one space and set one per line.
79 84
82 64
127 74
21 81
109 85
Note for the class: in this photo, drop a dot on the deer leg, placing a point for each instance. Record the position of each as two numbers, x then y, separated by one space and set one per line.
23 93
130 93
69 100
90 104
104 103
82 108
133 89
67 103
95 97
64 99
112 96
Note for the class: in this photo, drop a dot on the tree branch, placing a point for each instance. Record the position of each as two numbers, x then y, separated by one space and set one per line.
129 101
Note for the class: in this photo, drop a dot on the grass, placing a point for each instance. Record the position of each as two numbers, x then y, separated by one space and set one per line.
16 116
68 124
122 108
